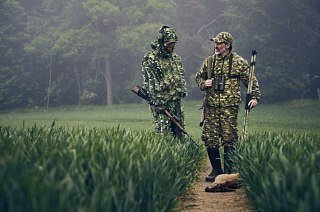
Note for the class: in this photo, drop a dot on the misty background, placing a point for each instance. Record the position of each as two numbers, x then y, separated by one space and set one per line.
77 52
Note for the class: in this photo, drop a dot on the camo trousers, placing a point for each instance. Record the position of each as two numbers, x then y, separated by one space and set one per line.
220 126
162 122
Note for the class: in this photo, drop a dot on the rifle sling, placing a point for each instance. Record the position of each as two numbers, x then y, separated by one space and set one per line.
210 65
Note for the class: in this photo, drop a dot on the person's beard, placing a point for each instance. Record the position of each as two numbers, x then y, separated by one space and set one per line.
169 49
220 51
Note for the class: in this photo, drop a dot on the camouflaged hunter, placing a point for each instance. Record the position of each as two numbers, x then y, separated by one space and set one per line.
163 79
222 99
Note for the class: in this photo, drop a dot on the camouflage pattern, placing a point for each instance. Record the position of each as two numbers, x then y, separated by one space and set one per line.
239 74
222 102
167 34
223 37
162 123
220 122
163 78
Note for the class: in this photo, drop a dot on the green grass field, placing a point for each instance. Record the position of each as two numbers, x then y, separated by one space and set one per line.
108 158
295 116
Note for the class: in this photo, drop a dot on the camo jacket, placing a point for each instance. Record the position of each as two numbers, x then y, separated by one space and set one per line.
238 74
163 77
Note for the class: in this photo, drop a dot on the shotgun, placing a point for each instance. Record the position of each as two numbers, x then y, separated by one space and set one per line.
137 89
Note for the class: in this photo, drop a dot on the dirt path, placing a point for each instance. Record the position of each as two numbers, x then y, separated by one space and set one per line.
199 200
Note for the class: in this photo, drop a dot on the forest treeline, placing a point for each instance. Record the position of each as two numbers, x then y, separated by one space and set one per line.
69 52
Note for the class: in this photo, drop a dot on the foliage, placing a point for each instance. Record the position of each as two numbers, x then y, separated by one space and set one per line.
93 89
63 169
17 89
44 41
281 170
284 34
284 142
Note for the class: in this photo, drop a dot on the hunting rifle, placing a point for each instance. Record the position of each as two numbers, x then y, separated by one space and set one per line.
249 94
137 89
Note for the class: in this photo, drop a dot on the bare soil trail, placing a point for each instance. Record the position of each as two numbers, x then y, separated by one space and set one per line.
198 200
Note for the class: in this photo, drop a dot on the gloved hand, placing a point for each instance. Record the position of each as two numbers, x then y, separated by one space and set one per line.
159 109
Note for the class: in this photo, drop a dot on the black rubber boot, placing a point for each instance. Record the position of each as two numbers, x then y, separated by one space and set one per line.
228 164
215 161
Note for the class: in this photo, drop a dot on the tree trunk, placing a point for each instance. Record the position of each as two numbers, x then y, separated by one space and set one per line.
75 70
108 78
49 84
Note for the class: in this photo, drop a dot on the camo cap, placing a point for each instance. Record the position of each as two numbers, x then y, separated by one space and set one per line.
223 37
168 34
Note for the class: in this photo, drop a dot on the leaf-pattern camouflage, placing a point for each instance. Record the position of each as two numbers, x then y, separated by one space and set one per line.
168 35
163 78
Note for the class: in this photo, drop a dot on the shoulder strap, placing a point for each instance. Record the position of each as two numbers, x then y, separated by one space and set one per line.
230 63
209 65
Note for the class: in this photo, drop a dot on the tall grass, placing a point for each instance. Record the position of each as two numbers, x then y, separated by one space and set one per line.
85 160
281 171
77 169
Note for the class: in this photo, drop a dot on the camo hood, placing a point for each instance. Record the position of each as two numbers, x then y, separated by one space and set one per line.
167 34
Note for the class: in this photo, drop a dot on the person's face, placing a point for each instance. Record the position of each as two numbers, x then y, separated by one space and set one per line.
169 46
221 49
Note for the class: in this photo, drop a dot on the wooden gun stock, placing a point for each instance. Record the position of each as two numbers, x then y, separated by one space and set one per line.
137 89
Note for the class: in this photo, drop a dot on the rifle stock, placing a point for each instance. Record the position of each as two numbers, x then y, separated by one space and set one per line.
137 89
175 122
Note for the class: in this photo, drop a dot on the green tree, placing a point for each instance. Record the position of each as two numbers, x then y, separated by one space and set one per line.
92 34
285 34
17 87
196 22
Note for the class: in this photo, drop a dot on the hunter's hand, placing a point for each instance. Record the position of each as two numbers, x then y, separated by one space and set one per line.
252 103
208 83
160 109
